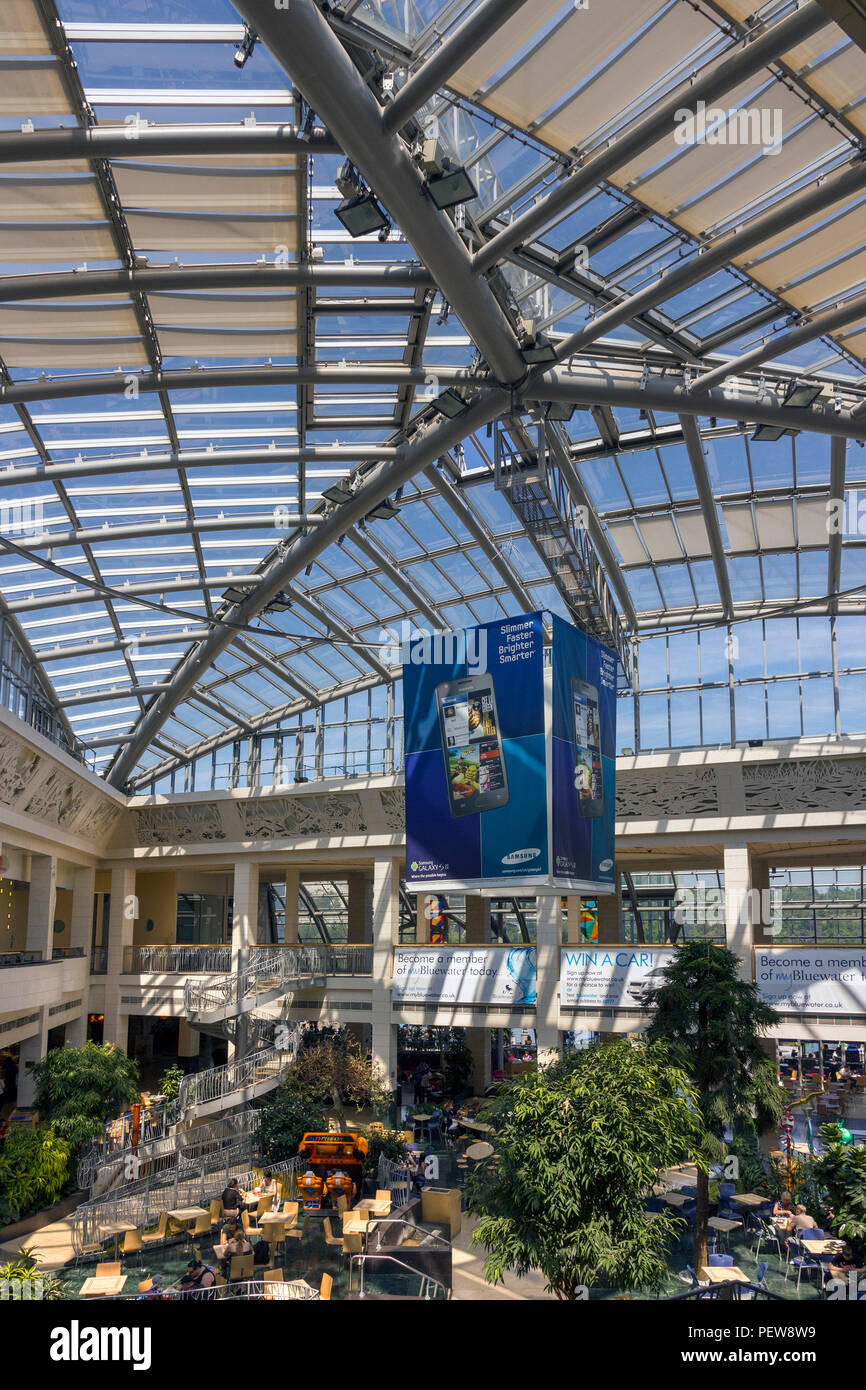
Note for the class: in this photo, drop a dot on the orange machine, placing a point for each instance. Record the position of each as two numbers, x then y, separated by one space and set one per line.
338 1161
311 1188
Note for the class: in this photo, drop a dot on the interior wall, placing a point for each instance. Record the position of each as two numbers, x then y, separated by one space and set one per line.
157 902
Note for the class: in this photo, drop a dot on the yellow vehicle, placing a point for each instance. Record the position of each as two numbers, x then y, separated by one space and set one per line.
328 1155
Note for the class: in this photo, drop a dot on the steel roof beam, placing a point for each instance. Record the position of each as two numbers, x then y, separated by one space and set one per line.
698 460
747 59
480 535
267 663
131 591
261 275
392 572
424 83
53 540
311 53
838 450
826 322
291 558
138 140
718 253
602 386
146 383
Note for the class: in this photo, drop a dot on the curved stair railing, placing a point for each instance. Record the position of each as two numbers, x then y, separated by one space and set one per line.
120 1168
269 976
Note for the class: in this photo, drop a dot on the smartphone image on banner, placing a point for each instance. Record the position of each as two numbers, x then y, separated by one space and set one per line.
471 745
587 749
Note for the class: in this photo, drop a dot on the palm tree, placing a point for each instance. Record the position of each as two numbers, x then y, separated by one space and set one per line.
713 1022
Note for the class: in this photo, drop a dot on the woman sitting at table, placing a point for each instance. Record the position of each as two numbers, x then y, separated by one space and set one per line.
237 1244
232 1197
269 1185
784 1207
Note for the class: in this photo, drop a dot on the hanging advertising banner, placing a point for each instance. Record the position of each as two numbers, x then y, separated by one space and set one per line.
476 800
509 760
583 770
610 977
464 975
816 980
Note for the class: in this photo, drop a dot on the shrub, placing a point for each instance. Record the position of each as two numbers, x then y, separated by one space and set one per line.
34 1169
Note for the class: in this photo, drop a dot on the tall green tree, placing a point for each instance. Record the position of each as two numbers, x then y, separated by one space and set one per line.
79 1088
284 1121
579 1144
840 1172
336 1072
713 1022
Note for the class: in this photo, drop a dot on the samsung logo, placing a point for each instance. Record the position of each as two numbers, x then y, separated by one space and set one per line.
521 856
605 865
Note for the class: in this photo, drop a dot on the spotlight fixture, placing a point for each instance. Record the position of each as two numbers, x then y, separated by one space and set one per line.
383 511
338 492
235 595
306 131
450 402
281 603
363 215
451 185
248 43
767 434
561 410
801 394
536 349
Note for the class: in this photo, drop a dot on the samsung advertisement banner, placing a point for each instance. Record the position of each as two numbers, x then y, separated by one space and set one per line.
509 759
465 975
610 977
817 980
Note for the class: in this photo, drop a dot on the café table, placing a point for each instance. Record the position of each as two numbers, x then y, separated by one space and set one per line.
719 1274
103 1285
479 1150
277 1218
116 1228
355 1225
748 1199
186 1213
675 1199
724 1226
478 1126
831 1246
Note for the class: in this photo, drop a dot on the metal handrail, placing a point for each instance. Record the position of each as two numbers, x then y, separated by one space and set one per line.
426 1282
397 1177
96 1168
219 1083
177 960
272 971
267 1289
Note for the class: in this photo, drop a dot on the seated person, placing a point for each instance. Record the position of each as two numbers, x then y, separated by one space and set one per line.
232 1197
801 1221
269 1185
237 1244
262 1252
198 1276
156 1290
784 1207
844 1262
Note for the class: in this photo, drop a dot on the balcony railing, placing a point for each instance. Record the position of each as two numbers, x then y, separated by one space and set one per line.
98 960
67 952
177 960
348 960
8 959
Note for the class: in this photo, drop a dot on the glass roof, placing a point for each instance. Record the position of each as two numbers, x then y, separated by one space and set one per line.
163 442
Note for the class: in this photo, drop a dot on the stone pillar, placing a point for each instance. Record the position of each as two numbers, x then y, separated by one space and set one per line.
386 935
122 913
42 902
477 920
245 912
740 908
548 943
358 916
81 925
30 1051
610 916
764 906
293 882
479 1042
187 1044
76 1031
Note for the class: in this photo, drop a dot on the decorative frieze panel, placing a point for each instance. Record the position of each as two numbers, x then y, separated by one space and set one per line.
300 817
185 824
813 784
667 793
36 784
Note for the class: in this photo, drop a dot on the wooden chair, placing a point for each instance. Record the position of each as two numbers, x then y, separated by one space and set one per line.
241 1267
246 1223
342 1205
353 1243
131 1243
216 1210
145 1285
158 1232
325 1287
202 1226
330 1238
273 1276
296 1232
108 1268
291 1209
218 1281
276 1236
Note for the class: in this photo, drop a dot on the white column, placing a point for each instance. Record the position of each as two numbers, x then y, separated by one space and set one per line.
42 902
245 911
81 926
741 912
357 908
122 913
386 934
290 929
477 919
549 940
31 1050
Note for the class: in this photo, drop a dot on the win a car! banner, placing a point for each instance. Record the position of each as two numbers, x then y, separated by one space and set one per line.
509 763
476 803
